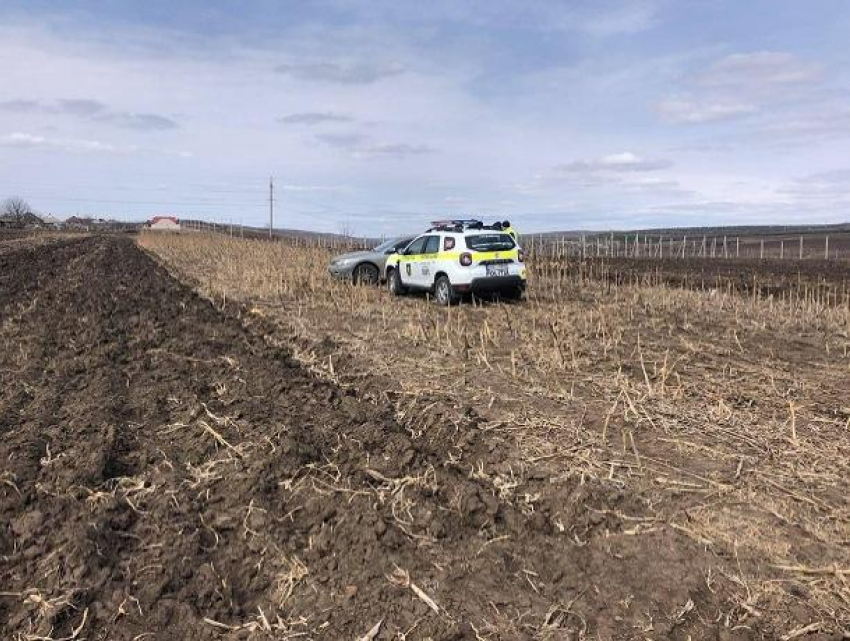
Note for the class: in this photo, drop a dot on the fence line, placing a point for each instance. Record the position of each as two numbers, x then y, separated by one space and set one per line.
710 247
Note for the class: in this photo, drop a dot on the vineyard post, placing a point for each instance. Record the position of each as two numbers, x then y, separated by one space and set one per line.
781 249
826 249
801 248
725 253
737 246
583 248
684 245
761 252
704 251
660 247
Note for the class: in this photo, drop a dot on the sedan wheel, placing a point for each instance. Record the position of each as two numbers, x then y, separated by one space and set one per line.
366 275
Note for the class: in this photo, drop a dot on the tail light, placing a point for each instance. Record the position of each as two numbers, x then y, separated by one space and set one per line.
521 256
466 259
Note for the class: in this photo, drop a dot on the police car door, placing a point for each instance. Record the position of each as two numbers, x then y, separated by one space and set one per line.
428 264
408 263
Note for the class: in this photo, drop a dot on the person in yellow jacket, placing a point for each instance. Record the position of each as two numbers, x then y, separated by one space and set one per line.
506 227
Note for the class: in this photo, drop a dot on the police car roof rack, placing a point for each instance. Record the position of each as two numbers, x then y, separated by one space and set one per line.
457 225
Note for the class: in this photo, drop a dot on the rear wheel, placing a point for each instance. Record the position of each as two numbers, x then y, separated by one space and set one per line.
444 293
365 274
394 284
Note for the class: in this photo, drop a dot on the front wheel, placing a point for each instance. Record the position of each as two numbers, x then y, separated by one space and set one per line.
394 284
444 293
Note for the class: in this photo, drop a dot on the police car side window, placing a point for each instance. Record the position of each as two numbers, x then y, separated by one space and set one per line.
432 246
416 246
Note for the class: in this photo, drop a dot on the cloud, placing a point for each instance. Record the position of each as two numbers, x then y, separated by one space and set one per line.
742 84
20 106
683 110
819 126
77 107
141 122
19 139
313 118
36 142
630 18
760 69
362 146
349 142
93 110
827 187
348 73
622 162
398 149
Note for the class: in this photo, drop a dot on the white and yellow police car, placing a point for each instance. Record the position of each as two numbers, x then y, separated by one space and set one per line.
455 257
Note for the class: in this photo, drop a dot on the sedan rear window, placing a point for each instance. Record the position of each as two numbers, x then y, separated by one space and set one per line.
489 242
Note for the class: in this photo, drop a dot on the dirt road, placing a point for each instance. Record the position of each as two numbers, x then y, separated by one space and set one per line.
166 473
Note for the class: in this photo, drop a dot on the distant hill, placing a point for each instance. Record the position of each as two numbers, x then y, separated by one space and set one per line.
732 230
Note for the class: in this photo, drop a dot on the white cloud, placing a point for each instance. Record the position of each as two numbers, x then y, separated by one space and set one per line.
743 84
692 111
313 118
807 128
361 146
19 139
621 162
36 142
760 69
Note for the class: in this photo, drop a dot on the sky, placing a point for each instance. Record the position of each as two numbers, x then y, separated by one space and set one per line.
378 116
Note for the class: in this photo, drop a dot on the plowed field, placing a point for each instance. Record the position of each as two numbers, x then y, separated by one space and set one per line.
168 471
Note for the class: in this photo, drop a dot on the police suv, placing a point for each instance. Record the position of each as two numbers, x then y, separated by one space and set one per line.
458 256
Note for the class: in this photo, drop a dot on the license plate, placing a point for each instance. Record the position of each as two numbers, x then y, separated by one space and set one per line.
497 270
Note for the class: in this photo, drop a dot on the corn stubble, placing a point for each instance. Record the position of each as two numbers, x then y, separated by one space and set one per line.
728 415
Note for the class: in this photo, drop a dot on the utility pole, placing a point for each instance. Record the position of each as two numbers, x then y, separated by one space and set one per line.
271 206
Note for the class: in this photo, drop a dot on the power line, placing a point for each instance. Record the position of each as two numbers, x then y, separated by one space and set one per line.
206 203
11 185
271 206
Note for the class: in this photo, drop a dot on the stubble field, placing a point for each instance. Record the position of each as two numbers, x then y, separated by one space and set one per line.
208 438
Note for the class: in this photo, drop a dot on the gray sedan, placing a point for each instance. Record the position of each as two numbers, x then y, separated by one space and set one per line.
367 267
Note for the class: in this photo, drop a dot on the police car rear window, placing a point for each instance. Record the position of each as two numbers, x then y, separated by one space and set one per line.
489 242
